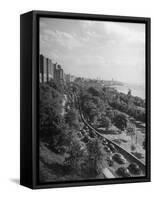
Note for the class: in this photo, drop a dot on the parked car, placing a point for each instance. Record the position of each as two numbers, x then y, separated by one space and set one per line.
107 149
123 172
112 147
110 161
119 158
134 169
104 142
101 130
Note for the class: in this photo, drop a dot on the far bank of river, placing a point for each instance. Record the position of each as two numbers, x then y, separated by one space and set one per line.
136 90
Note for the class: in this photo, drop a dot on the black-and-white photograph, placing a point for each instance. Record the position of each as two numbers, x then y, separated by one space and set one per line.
92 101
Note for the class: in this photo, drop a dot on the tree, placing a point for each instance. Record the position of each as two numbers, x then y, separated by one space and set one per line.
77 154
120 121
92 106
90 109
131 130
94 158
93 91
72 118
105 122
110 114
50 107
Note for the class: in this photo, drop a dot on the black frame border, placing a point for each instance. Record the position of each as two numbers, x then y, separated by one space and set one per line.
35 97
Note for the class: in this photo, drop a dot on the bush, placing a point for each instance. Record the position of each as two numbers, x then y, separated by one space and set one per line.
72 118
105 122
77 155
94 159
134 169
123 172
133 147
50 107
93 91
120 121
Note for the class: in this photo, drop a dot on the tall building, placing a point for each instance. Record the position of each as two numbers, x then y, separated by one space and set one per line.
55 74
41 70
47 74
52 70
61 74
45 62
58 73
48 70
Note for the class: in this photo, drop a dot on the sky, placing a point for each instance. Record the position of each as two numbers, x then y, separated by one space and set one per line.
95 49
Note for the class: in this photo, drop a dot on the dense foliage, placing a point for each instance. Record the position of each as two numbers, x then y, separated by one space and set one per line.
62 131
104 105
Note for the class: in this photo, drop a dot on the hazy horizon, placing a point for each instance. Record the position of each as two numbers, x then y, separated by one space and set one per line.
94 49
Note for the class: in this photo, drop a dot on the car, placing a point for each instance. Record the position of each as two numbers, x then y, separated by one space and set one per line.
119 158
134 169
104 142
123 172
112 147
107 149
101 130
110 161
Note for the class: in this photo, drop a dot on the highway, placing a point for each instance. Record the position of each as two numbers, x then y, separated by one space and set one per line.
109 172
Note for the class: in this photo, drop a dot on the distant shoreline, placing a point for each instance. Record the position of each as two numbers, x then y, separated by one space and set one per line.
138 91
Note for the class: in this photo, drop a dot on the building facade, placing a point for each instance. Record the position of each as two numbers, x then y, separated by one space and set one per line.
41 69
49 70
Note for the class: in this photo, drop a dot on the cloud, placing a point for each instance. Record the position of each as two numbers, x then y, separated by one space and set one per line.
125 33
64 39
92 48
87 23
114 33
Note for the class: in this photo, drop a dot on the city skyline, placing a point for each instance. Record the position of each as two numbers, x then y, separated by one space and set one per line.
93 49
47 69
